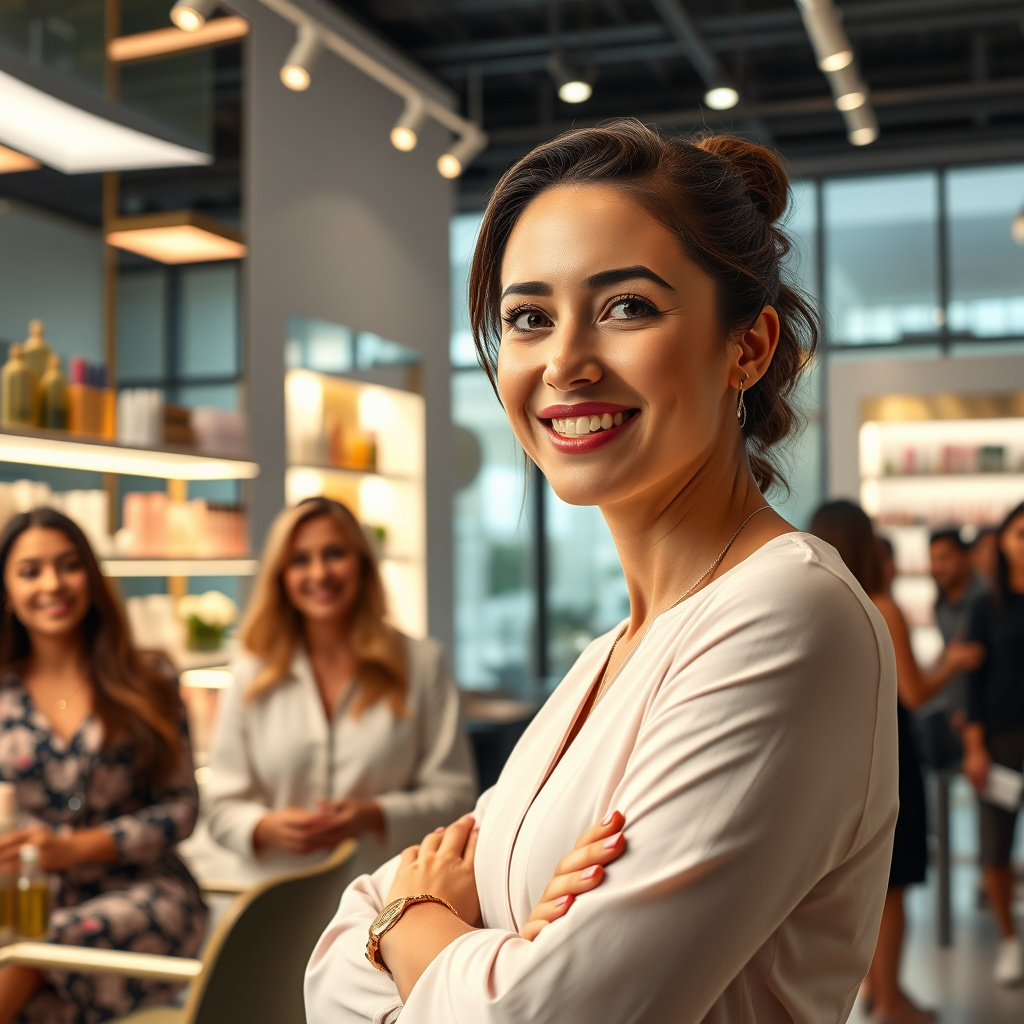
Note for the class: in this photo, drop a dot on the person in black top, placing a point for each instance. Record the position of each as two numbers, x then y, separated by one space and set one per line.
995 727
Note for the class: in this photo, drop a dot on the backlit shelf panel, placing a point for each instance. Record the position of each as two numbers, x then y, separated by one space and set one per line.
61 452
124 567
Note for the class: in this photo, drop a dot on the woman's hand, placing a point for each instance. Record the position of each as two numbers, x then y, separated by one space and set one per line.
337 820
57 850
578 872
442 865
289 829
977 762
960 656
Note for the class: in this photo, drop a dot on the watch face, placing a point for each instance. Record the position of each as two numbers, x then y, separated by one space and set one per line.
387 915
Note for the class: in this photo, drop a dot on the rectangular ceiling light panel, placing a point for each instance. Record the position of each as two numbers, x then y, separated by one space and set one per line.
76 141
183 237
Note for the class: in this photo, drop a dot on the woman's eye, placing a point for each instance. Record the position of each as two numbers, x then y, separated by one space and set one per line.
630 309
528 320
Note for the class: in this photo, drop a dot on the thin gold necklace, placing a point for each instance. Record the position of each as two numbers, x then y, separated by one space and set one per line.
606 680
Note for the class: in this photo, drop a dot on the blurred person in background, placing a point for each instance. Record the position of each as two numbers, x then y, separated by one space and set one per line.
943 719
984 554
847 528
995 729
336 725
96 743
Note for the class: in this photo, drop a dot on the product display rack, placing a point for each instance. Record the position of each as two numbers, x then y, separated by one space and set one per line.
179 567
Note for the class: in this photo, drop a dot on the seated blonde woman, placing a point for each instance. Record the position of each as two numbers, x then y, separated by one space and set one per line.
336 725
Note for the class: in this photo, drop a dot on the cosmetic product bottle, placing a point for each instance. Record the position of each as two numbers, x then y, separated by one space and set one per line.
33 896
53 396
35 350
8 823
18 387
78 397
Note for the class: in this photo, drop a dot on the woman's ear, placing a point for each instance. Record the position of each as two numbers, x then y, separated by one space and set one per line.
755 348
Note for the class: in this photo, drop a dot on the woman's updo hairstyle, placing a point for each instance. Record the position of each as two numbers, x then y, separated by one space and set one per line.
722 196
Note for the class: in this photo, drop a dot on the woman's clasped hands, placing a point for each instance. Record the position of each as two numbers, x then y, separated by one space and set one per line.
296 830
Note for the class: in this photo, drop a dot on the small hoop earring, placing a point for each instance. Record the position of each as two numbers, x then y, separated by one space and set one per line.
741 406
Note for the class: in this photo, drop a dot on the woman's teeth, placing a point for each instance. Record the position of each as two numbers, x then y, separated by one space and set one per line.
578 426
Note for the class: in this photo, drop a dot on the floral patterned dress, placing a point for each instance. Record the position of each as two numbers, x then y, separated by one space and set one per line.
147 901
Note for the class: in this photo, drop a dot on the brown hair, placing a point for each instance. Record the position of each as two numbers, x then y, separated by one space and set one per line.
132 700
847 528
722 196
272 628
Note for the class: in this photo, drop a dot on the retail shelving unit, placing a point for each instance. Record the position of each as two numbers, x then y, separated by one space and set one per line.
934 461
330 420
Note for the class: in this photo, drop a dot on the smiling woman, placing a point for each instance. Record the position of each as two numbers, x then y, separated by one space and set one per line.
735 736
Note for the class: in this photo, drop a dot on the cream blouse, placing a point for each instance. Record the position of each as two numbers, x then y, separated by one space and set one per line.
750 741
279 750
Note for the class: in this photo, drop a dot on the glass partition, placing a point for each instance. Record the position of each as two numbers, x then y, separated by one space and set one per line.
986 266
882 258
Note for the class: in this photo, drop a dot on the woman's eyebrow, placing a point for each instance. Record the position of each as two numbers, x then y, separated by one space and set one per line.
528 288
609 277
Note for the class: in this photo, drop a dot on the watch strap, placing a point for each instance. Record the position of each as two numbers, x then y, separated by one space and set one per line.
394 914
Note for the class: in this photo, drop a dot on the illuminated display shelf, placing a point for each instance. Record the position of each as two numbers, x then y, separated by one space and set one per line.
58 450
354 474
139 567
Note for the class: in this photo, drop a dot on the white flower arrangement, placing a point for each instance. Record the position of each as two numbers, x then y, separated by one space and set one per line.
212 609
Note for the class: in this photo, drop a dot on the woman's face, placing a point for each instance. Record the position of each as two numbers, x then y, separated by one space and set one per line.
612 366
1011 543
321 575
46 582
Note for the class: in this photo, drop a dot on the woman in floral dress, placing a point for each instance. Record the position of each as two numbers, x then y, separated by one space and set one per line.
97 745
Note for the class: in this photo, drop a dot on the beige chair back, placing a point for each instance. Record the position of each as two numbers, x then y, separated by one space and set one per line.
256 959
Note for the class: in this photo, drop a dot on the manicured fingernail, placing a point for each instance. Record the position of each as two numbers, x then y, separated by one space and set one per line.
591 871
562 900
609 818
612 841
440 828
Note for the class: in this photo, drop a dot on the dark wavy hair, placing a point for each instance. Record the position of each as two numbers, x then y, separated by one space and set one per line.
846 526
134 702
723 197
1001 584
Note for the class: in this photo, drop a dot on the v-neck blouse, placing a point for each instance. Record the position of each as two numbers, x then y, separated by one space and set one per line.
750 742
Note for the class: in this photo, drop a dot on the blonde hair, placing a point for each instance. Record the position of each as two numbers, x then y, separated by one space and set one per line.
272 628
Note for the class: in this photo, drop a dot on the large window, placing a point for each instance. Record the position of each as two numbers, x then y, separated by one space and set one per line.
882 258
986 266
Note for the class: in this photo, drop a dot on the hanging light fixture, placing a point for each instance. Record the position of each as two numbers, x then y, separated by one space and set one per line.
849 90
297 70
722 97
191 15
455 161
406 131
574 85
861 125
832 48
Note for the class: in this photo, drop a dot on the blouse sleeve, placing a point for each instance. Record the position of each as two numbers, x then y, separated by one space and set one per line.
750 780
143 836
444 784
236 802
977 680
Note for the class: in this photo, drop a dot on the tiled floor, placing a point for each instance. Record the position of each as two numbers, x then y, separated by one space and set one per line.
957 981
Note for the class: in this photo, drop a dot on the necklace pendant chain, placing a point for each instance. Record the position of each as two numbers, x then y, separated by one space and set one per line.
605 678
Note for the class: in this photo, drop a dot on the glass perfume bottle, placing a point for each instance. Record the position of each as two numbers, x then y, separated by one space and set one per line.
33 896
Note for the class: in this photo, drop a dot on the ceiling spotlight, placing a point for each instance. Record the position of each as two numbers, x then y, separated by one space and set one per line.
405 134
831 46
452 163
861 125
847 88
722 97
191 15
573 86
297 70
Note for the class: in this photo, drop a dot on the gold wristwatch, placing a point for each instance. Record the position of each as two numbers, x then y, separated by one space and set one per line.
388 918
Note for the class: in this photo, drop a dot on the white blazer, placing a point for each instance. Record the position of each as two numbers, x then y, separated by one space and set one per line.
750 741
279 750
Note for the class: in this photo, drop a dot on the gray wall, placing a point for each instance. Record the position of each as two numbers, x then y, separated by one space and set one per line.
51 268
851 379
343 227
